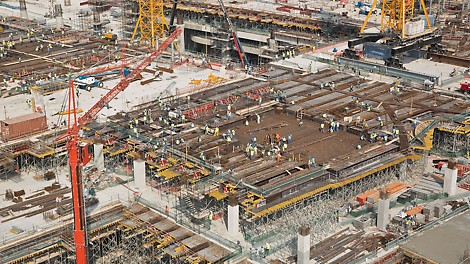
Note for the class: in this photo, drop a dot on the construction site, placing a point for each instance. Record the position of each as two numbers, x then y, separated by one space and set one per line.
154 131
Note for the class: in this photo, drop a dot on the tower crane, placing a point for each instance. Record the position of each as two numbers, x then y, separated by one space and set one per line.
79 154
238 45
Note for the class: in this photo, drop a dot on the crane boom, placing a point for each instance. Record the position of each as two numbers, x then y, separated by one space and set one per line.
94 110
78 152
238 45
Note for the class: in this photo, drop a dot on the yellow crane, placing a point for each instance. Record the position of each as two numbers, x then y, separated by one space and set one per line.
395 15
151 23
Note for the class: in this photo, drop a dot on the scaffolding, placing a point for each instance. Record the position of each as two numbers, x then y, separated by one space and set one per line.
453 138
318 212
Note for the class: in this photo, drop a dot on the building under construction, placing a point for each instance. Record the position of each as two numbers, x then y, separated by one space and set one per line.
145 141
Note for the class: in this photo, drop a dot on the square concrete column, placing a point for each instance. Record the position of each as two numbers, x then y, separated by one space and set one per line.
303 245
383 211
450 178
139 174
98 156
233 217
181 45
403 170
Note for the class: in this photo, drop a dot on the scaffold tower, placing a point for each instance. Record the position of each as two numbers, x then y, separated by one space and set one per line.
151 22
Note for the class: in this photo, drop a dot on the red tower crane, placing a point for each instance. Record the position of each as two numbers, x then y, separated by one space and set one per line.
79 154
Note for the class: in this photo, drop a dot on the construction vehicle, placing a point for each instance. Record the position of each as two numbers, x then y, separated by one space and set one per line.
110 36
464 87
78 151
86 82
238 45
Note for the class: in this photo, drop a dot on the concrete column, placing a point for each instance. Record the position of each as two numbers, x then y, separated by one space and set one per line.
450 178
139 174
403 169
181 39
58 16
98 156
23 11
383 211
233 216
303 245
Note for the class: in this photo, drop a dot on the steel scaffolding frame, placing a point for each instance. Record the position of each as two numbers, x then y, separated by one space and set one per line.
318 212
452 143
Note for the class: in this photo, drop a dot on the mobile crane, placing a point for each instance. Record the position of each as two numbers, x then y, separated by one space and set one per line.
238 45
79 154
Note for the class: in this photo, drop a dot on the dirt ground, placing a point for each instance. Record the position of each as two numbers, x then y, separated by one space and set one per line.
307 140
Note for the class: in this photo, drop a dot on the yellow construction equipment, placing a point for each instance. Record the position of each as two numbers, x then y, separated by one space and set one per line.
151 23
68 112
395 15
195 82
110 36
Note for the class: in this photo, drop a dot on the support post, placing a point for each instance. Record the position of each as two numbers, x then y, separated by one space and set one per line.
98 156
58 13
233 216
450 178
403 169
139 173
303 245
383 211
23 11
181 44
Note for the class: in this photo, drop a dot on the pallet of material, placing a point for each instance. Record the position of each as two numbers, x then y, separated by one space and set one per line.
429 186
414 211
395 187
362 198
420 193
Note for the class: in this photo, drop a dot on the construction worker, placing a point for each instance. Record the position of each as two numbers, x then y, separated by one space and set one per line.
322 127
216 131
258 119
284 147
301 123
266 249
202 156
289 138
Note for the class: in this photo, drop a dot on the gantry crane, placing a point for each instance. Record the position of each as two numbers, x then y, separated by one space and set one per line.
399 28
238 45
78 152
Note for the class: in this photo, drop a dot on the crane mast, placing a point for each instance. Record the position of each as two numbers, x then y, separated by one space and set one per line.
78 152
238 45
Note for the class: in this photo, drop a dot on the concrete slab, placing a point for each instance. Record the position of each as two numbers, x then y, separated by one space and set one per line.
445 243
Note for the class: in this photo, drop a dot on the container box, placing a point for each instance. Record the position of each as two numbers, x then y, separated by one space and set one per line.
21 126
